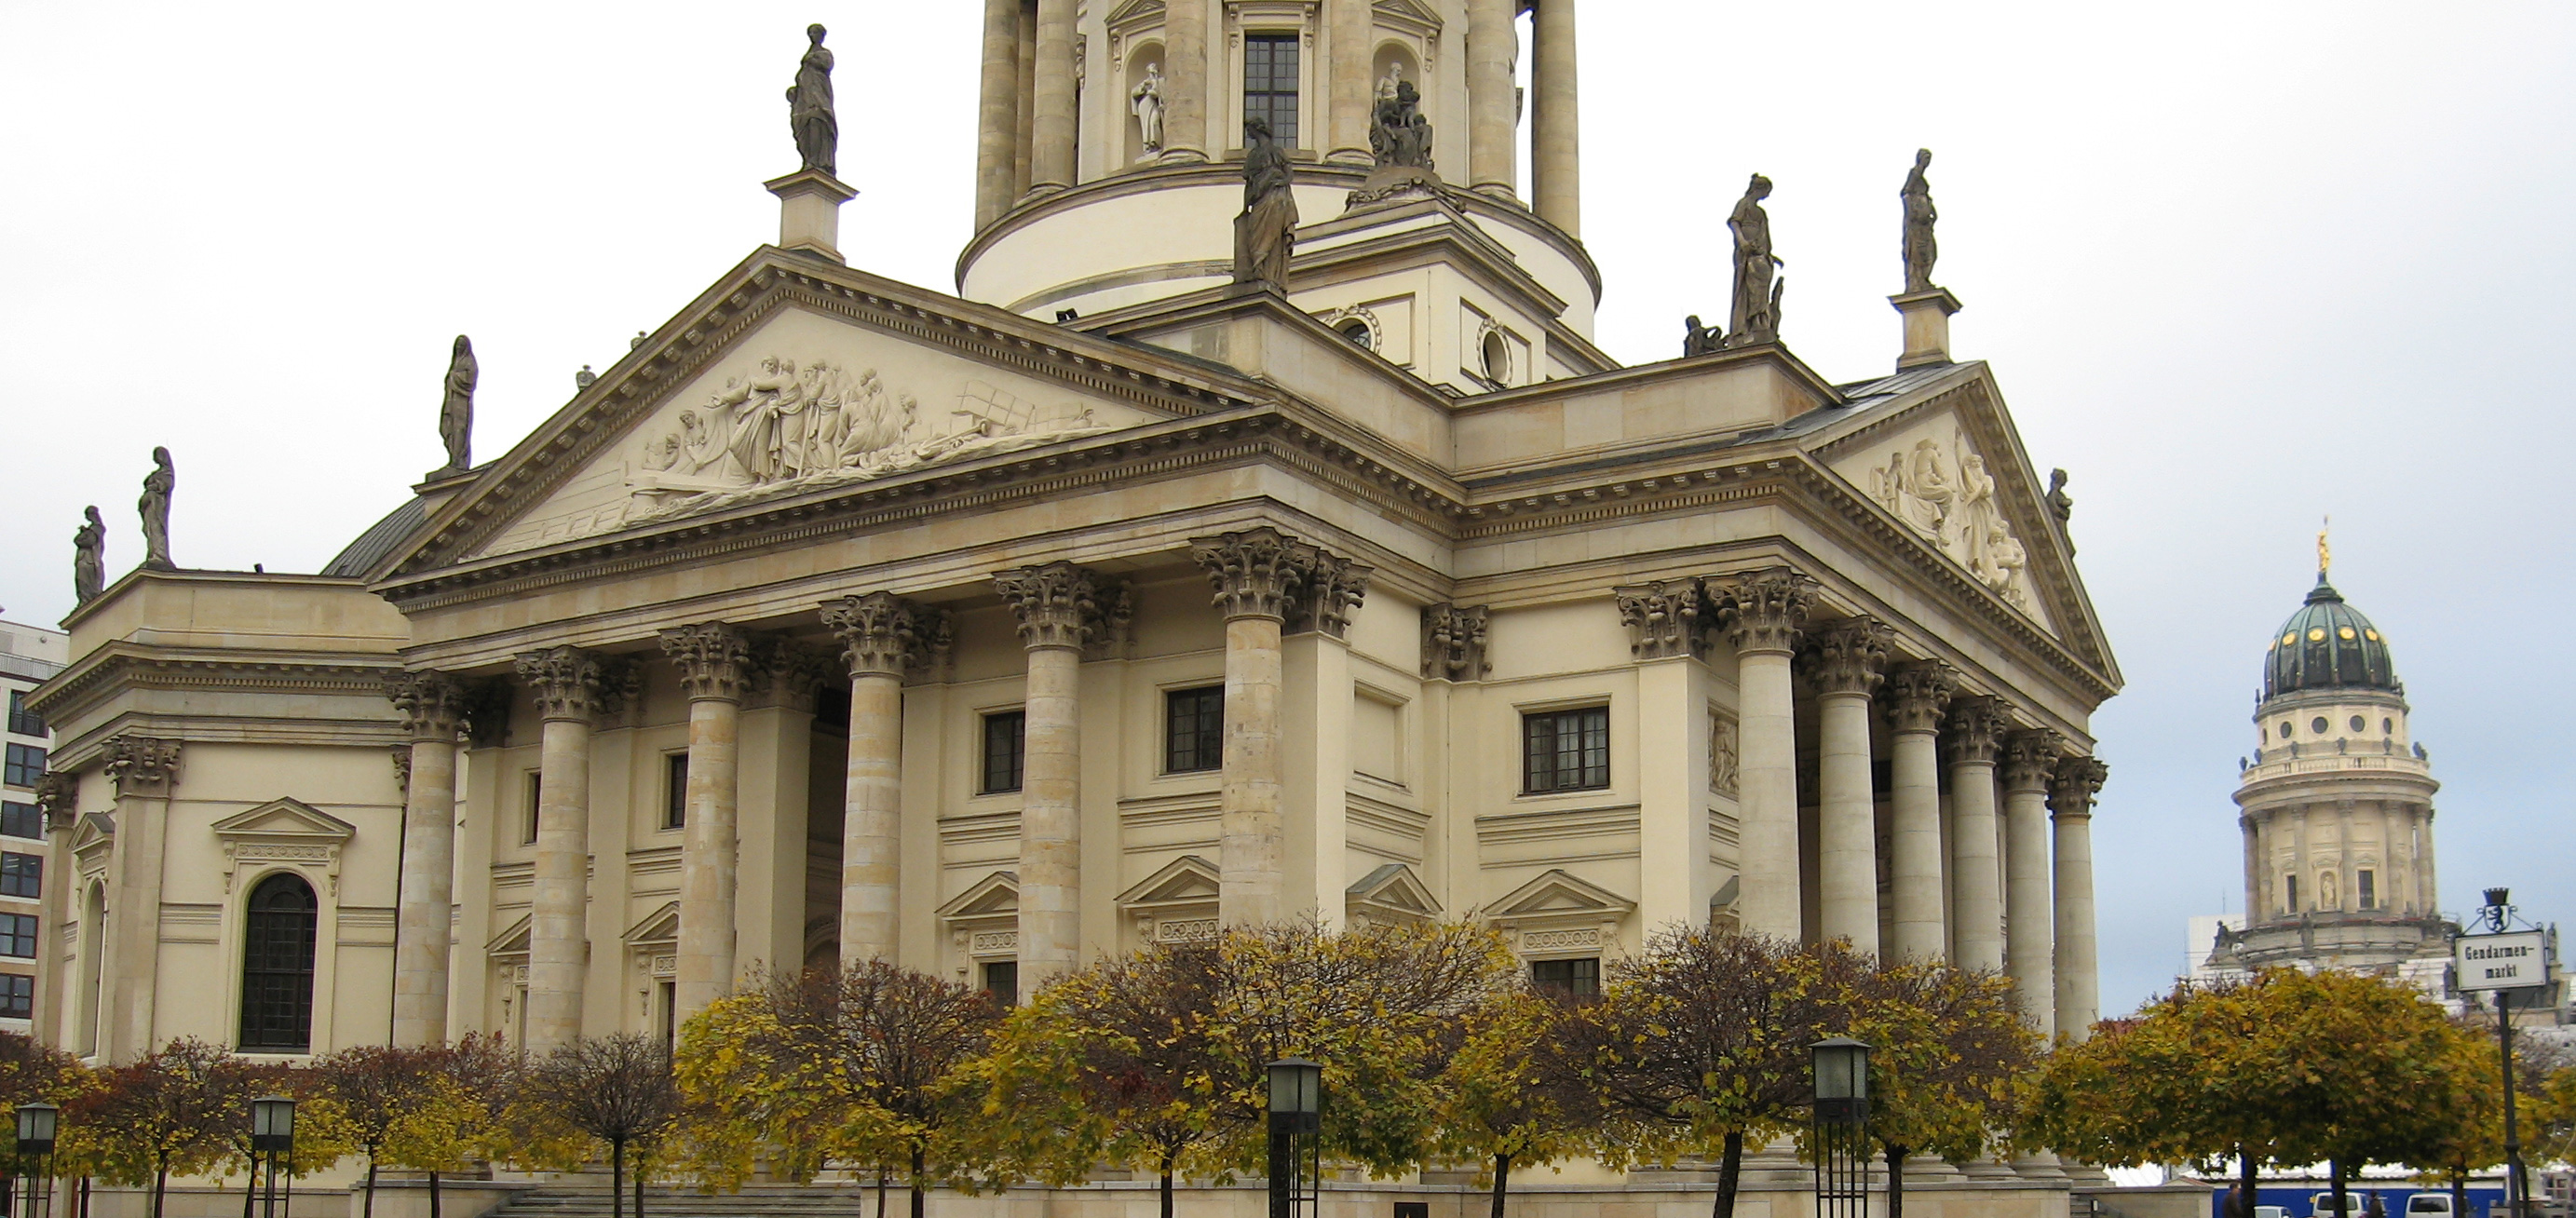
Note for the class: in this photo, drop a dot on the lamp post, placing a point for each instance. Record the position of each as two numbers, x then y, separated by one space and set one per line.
272 1133
1841 1069
1296 1115
36 1123
2498 917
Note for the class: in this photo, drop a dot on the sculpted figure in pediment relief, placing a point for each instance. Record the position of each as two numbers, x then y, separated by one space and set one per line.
1955 508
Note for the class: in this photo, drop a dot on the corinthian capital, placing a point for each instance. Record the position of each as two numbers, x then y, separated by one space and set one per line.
880 632
714 660
1256 573
1662 618
1976 730
2029 757
784 673
1058 604
432 703
1453 643
1850 656
2072 788
1763 610
59 794
1334 587
1917 695
141 765
569 683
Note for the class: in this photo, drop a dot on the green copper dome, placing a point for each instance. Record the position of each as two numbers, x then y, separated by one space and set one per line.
2327 644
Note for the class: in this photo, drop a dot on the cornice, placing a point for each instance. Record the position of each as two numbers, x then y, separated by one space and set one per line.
1827 394
125 665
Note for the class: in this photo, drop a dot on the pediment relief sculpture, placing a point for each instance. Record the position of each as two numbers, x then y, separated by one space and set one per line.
1950 502
791 425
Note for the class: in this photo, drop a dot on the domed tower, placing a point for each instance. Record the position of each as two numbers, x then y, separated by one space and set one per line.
2337 805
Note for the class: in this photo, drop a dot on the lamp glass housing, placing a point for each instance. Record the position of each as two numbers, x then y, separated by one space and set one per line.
1842 1069
36 1123
272 1123
1296 1087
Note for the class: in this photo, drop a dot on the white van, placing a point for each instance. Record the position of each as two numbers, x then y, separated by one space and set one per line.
2354 1202
2429 1205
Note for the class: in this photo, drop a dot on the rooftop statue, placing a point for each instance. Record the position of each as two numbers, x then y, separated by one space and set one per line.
89 557
1265 235
456 411
1755 315
155 506
1698 339
809 107
1920 249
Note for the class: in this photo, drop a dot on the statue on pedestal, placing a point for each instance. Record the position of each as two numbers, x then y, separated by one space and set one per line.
89 558
456 411
1265 235
155 507
1755 314
1146 100
809 108
1920 249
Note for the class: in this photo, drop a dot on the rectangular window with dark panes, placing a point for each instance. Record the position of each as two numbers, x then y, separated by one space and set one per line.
529 836
2365 889
18 936
22 875
675 791
1270 84
1580 978
26 764
1565 750
22 820
1193 730
17 996
22 721
1006 736
1002 981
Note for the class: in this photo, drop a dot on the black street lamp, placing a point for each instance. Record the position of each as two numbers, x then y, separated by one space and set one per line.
36 1123
1296 1115
272 1133
1841 1070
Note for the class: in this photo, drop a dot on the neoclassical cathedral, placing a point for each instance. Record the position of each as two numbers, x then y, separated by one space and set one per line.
1202 560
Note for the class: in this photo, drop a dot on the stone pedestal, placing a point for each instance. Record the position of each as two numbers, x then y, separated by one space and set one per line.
809 211
1927 326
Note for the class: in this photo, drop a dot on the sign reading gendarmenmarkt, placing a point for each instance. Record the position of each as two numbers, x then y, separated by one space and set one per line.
2501 962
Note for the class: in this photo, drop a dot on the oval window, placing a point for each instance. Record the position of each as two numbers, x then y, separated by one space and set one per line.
2389 726
2317 634
2285 734
2345 634
1357 330
2360 724
1498 358
2318 725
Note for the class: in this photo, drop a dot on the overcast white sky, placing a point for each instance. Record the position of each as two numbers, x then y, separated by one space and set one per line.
2238 266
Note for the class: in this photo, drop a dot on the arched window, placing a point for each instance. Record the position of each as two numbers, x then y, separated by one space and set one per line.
277 967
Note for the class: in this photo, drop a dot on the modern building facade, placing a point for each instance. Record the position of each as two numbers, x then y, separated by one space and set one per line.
1109 602
28 655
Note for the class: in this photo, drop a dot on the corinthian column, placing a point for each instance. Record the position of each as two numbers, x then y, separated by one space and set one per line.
1185 81
568 689
714 660
144 770
1051 164
1976 874
1916 697
1256 575
1664 634
879 638
2070 804
1556 136
1849 659
1493 100
1350 26
1059 608
1762 613
998 112
433 708
2028 931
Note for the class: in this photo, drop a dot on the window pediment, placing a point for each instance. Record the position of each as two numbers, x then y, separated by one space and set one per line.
1391 895
287 831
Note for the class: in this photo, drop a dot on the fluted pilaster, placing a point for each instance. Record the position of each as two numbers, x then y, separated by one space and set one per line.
145 770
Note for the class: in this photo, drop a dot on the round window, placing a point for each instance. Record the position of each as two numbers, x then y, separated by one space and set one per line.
2285 729
2318 725
2345 634
1357 330
2360 724
2317 634
1498 358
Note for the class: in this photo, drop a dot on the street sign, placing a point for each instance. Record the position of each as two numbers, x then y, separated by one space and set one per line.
2512 961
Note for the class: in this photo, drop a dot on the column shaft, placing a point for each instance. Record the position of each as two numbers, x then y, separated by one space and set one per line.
1979 873
1767 778
1351 27
997 112
2029 919
1051 819
1914 847
2077 996
1185 80
1251 853
710 865
1847 834
1051 164
871 833
1492 98
1556 156
421 926
558 937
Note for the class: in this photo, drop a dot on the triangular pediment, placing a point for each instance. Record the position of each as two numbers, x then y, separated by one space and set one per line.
787 381
512 941
285 820
1394 886
660 926
1184 880
1408 13
1935 451
1559 892
995 894
1134 13
94 831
